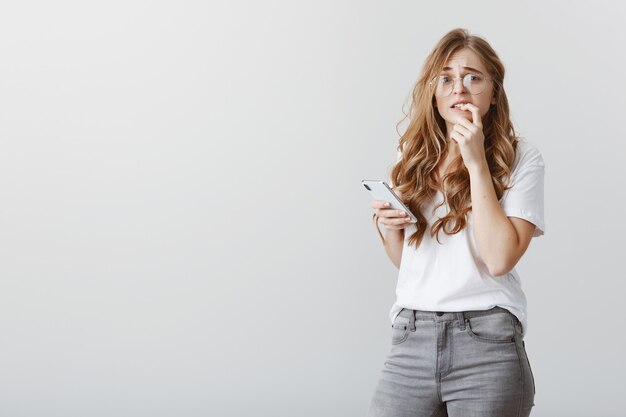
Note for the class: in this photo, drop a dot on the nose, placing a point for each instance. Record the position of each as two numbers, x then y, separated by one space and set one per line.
458 87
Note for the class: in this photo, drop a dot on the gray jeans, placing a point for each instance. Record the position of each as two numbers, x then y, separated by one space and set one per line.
456 364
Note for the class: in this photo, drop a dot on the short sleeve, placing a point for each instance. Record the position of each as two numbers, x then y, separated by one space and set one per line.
525 198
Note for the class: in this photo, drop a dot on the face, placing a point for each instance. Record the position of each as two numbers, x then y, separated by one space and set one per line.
456 68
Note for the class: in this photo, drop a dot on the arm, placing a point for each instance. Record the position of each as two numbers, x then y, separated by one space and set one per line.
393 242
501 240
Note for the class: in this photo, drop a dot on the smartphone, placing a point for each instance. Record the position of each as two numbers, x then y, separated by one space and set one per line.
381 191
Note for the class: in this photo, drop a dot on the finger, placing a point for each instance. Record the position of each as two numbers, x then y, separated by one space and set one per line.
466 123
380 204
463 130
403 222
475 114
457 136
399 217
382 212
395 227
396 224
392 213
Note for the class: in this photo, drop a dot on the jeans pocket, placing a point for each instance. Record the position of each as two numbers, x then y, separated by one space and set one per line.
492 328
400 330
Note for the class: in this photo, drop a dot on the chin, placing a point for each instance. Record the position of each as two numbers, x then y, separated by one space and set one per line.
453 117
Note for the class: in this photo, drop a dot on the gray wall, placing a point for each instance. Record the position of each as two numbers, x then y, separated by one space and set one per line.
183 229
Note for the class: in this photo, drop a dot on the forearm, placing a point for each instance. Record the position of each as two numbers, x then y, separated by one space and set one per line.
496 237
394 242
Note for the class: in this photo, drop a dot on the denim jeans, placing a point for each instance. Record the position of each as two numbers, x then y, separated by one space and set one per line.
456 364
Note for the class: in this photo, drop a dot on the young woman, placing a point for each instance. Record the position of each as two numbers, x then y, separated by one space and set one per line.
459 319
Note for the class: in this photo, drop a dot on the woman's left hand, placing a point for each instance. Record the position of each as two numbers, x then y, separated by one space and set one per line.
470 137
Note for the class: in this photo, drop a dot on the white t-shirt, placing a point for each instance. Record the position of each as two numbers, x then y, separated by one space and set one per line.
451 276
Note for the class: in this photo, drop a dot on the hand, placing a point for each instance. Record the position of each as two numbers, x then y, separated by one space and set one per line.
390 217
470 137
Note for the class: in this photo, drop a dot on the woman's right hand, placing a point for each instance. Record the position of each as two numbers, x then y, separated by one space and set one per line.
392 218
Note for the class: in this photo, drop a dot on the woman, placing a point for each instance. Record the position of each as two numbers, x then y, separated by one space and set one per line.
476 188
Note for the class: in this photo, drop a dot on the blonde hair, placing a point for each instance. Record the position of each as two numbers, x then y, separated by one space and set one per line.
423 144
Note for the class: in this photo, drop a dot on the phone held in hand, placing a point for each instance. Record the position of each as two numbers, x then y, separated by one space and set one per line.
381 191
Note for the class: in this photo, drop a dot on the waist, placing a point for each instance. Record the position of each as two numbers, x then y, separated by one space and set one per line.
439 316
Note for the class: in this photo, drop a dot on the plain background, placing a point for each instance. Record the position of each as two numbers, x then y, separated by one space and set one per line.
183 229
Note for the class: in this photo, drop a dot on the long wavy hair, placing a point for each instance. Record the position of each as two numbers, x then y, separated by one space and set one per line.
423 144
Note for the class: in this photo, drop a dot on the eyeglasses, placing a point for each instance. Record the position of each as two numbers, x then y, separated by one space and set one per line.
475 84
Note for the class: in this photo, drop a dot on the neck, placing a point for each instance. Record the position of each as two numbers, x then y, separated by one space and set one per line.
452 148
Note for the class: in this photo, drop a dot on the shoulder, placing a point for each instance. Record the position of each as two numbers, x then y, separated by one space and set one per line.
527 155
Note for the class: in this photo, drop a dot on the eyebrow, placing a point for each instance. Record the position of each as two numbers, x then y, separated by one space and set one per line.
445 69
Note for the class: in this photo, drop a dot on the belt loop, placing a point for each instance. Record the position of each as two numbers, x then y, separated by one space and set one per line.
412 321
461 318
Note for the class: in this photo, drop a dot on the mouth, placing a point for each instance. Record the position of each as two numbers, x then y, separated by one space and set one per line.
458 106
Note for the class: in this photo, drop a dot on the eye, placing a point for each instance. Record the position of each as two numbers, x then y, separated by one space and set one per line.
444 79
